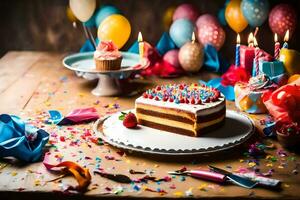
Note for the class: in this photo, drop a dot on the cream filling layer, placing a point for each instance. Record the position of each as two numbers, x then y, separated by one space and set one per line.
178 112
191 127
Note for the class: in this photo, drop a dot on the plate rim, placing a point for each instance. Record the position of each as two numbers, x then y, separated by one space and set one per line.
74 55
175 153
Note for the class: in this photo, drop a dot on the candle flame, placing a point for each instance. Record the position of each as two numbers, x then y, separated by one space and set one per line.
238 39
275 38
287 36
250 38
140 37
193 37
255 42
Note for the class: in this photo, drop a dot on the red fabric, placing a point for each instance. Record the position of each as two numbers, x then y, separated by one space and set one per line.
233 75
157 66
284 103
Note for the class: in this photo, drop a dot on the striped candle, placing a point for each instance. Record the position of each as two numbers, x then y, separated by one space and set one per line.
276 48
257 55
237 51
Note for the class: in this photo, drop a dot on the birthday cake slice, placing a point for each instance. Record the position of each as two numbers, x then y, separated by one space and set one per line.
180 108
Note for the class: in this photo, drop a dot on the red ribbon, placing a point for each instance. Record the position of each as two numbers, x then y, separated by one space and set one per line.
81 174
233 75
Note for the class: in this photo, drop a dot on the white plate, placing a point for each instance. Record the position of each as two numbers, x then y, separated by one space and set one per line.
236 130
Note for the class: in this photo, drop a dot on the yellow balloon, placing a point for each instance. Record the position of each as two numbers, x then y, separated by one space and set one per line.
235 17
291 60
70 15
168 17
115 28
294 78
83 9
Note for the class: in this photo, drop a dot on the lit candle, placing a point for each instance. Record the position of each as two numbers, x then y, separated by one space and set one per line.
193 37
257 54
286 39
237 51
276 47
250 40
141 45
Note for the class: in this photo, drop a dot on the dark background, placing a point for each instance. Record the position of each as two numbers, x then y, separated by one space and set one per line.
43 25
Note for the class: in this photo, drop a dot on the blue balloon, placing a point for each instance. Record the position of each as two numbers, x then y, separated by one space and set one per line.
255 11
181 31
221 17
104 12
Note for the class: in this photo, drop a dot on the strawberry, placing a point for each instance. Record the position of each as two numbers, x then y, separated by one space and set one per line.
129 119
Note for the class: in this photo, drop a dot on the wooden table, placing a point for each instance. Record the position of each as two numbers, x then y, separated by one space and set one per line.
31 83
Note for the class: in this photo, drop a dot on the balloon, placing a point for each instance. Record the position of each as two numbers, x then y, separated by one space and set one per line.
221 17
235 17
181 31
172 58
203 19
90 22
186 11
256 12
104 12
191 56
283 17
116 28
168 17
70 14
83 9
210 31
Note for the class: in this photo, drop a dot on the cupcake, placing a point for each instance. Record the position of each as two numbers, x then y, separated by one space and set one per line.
107 56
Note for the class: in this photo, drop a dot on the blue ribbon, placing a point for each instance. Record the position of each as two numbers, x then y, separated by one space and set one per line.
20 140
165 44
213 61
228 91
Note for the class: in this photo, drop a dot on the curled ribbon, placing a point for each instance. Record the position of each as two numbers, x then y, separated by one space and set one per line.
21 140
81 174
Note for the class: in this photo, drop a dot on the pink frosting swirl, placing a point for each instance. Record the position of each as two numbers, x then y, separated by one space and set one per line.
107 50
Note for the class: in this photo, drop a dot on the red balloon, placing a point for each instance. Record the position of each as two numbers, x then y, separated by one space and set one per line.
186 11
210 31
283 17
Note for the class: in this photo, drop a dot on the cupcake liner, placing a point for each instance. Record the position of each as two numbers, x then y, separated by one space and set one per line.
108 65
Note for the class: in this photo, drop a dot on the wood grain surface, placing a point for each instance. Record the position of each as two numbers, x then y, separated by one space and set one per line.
31 83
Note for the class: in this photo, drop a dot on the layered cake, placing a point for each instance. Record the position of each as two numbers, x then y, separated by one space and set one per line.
107 56
181 108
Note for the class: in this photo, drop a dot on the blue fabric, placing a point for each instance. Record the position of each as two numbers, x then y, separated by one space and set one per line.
134 48
55 117
165 44
228 91
21 140
88 46
213 61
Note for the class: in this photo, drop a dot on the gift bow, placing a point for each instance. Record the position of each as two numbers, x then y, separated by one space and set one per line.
21 140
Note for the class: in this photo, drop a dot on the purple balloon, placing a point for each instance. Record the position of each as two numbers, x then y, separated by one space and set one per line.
186 11
172 58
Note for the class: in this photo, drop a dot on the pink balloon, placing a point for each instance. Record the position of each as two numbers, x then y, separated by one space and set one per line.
203 19
283 17
172 58
186 11
210 31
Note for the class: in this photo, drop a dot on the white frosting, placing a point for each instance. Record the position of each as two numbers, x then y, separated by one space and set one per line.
198 110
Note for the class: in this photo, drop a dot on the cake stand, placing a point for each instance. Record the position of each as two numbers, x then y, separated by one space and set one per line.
153 141
108 81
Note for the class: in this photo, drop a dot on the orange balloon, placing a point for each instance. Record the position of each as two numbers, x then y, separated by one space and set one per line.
235 17
168 17
294 78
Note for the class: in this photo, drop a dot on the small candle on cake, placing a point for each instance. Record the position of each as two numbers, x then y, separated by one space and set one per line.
237 51
276 47
256 58
286 39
